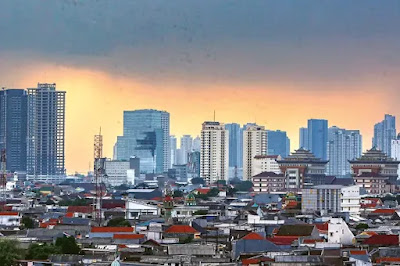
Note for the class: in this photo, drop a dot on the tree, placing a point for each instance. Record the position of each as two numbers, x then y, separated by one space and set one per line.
221 183
118 222
177 194
213 192
67 245
244 186
41 251
9 252
198 180
27 222
362 226
200 212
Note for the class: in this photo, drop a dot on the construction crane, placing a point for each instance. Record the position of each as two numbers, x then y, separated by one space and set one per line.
98 176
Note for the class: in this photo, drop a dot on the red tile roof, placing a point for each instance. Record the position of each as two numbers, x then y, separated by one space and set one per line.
286 240
255 261
382 240
81 209
111 229
9 213
203 190
128 236
358 252
181 229
387 259
322 227
253 236
46 224
312 241
69 215
384 211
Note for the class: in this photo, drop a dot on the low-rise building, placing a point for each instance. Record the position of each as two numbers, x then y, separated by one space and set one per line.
266 163
134 209
269 182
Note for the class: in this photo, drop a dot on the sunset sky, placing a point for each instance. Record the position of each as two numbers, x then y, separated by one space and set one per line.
277 63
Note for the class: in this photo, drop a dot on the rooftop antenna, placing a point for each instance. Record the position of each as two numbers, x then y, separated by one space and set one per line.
214 115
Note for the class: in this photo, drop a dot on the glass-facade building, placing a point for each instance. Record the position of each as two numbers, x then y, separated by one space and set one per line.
146 136
278 143
384 133
13 128
318 137
303 132
235 145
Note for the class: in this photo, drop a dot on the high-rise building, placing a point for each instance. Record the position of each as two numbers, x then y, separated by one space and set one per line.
395 151
46 132
194 164
13 128
173 147
303 138
214 154
235 145
278 143
384 133
146 135
254 144
186 147
117 173
343 145
196 144
318 137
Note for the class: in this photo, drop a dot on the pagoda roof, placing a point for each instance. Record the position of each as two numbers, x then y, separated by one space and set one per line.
374 156
302 155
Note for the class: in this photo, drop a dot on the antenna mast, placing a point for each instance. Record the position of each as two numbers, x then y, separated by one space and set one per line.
98 174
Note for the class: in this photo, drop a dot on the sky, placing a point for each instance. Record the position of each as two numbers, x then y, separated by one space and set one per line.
277 63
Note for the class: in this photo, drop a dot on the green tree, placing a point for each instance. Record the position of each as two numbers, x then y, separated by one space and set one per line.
362 226
118 222
67 245
27 222
177 194
41 251
213 192
200 212
244 186
10 252
221 183
198 180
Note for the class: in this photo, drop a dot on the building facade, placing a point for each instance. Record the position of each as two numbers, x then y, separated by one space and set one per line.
278 143
268 182
254 144
186 147
46 134
235 145
323 198
13 128
266 163
173 147
146 135
214 154
395 151
303 133
343 145
194 164
375 172
302 170
318 137
384 133
117 173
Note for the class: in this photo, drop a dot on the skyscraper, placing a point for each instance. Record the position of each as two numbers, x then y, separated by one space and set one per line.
318 137
13 128
186 147
146 135
343 145
235 145
254 144
172 147
46 132
303 138
278 143
395 151
384 133
214 154
196 144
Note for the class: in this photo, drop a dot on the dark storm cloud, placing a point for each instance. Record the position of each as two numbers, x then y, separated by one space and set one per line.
210 39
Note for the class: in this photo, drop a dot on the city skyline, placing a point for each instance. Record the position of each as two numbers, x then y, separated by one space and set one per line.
297 61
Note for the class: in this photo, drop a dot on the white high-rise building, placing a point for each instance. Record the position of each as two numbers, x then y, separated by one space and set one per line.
196 144
117 172
266 163
343 145
186 147
214 152
395 148
254 144
172 146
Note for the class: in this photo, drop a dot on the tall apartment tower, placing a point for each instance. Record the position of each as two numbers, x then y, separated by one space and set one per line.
254 144
343 146
395 151
13 128
186 147
146 136
172 147
235 145
384 133
278 143
318 137
303 133
214 152
46 134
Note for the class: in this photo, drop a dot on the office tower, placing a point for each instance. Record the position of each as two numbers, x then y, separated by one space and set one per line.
214 154
278 143
318 137
384 133
13 128
196 144
343 145
194 164
173 147
46 132
146 135
304 138
235 145
186 147
395 151
117 172
254 143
